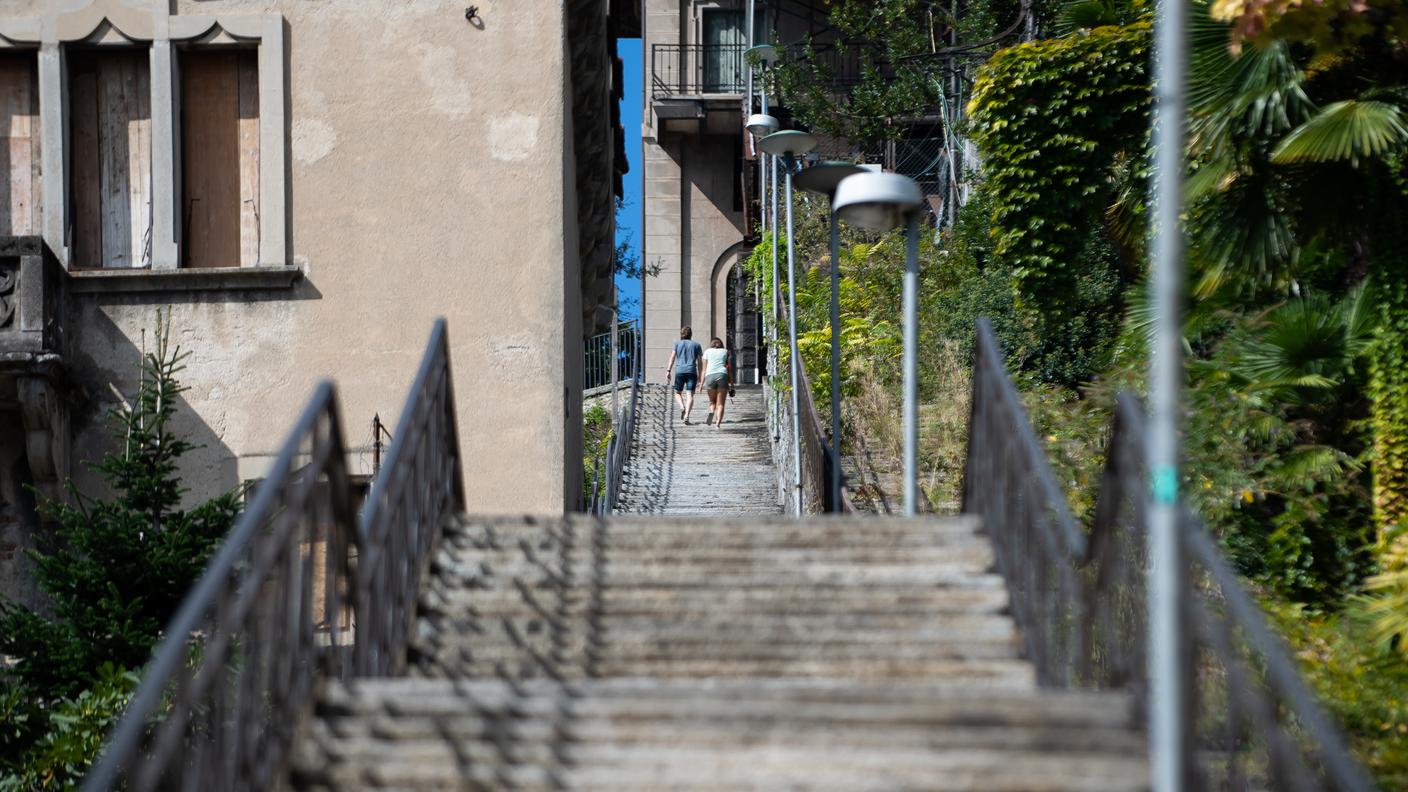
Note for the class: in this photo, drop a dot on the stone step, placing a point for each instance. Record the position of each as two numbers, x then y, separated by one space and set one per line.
975 674
979 595
650 734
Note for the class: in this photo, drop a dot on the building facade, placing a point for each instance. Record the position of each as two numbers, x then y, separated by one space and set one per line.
305 186
700 168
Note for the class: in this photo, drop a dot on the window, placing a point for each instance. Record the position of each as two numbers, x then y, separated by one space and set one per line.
165 141
220 158
110 142
19 145
725 40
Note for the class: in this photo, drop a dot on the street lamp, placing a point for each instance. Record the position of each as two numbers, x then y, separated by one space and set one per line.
884 201
761 125
822 178
765 55
790 144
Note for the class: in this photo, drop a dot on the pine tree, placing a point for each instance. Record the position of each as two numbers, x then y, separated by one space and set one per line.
115 570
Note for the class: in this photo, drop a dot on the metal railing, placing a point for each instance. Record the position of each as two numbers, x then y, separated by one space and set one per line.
420 485
818 453
238 663
599 350
618 452
1080 601
695 69
300 589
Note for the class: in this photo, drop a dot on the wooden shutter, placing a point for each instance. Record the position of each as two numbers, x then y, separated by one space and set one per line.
220 158
19 145
111 139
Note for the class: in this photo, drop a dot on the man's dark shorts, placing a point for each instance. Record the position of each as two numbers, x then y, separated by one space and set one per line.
686 381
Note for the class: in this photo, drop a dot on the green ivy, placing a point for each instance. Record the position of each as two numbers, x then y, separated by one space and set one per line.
1388 390
1051 119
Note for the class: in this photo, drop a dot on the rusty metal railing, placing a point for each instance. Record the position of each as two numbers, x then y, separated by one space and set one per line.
300 589
272 613
1080 600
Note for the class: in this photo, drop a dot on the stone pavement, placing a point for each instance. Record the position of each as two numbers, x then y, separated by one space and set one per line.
696 469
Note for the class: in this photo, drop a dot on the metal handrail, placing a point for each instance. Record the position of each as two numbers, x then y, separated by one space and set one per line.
1254 722
618 452
236 667
419 487
1037 543
831 457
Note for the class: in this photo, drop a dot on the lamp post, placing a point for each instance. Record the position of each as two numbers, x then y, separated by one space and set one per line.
761 125
822 178
884 201
765 55
789 145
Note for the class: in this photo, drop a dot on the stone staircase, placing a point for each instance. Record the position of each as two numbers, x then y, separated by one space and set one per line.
636 653
696 469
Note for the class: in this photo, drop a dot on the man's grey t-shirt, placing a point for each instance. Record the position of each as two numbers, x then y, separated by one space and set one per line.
687 354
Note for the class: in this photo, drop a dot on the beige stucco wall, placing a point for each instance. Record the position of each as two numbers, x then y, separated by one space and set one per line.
429 176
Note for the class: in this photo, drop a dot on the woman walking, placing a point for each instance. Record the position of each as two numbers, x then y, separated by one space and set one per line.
716 380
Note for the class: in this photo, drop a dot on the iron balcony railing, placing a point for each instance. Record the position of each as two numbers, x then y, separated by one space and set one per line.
697 69
597 363
300 589
1080 600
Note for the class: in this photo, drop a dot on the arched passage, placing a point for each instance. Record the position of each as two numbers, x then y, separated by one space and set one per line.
733 313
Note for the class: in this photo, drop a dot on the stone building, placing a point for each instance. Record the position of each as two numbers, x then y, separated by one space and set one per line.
306 185
701 171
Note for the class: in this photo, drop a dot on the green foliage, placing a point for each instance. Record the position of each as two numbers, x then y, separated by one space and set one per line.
1362 686
1388 388
1051 118
114 571
596 435
881 35
52 747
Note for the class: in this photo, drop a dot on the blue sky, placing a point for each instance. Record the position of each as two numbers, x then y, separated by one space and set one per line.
628 221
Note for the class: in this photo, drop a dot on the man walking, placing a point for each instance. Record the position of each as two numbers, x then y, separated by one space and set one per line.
684 367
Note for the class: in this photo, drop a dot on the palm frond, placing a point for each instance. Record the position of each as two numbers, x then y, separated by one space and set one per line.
1349 130
1083 15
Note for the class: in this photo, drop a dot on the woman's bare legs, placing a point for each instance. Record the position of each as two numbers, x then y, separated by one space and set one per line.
718 397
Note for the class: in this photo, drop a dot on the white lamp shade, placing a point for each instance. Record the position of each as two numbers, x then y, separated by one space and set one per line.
787 143
877 200
760 124
765 54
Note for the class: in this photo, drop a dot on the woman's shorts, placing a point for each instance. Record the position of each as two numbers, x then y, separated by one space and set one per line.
716 381
686 381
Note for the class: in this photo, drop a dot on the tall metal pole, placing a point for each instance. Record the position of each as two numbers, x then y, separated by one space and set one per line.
776 395
1165 657
795 359
748 108
911 366
835 362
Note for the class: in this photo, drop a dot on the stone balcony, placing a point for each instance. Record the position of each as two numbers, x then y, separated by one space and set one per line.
32 346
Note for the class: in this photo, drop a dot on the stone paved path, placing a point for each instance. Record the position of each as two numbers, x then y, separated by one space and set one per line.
696 469
692 654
